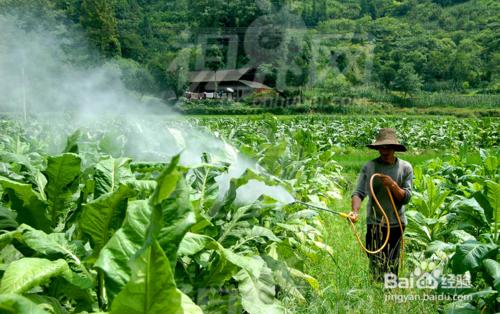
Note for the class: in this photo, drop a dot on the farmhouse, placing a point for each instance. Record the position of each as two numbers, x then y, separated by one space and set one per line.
228 83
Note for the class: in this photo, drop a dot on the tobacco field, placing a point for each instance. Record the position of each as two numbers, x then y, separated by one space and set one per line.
105 218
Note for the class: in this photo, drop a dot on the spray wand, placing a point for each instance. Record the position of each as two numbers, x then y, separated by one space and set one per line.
341 214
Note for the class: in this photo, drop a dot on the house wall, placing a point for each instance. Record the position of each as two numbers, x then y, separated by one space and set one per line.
240 90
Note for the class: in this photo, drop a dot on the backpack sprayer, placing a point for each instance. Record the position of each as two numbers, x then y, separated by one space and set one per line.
384 214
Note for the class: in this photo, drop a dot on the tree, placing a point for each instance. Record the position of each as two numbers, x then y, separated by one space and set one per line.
437 66
178 71
294 72
448 2
158 69
407 80
135 77
131 46
97 17
368 7
467 64
215 61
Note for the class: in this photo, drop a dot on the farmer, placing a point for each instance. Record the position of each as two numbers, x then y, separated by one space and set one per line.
397 176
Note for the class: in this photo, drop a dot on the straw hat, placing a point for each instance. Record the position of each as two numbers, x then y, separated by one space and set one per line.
387 137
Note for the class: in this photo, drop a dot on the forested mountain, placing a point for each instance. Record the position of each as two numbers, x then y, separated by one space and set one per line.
430 45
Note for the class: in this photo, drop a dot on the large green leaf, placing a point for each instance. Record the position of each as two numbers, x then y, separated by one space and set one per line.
492 268
419 227
470 211
151 288
17 304
172 213
433 196
273 153
167 182
188 306
7 171
27 273
114 258
103 216
24 167
178 217
204 195
144 188
28 204
53 245
470 254
194 243
7 219
7 237
284 276
110 173
460 307
72 142
494 199
460 236
141 223
482 200
15 158
205 187
47 303
84 300
437 245
256 283
491 164
62 173
258 293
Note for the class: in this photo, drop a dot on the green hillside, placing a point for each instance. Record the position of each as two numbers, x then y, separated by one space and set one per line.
431 46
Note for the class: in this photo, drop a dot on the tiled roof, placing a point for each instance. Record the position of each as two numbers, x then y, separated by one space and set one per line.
221 75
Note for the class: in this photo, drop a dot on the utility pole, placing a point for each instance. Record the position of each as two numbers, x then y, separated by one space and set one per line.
23 75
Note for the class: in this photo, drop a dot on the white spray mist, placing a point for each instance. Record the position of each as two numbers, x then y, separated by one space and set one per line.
37 81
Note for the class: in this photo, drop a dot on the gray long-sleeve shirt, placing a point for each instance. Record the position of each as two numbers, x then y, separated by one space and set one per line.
401 172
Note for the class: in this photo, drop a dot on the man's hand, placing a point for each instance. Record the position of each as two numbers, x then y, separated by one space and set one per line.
392 185
353 216
387 181
356 204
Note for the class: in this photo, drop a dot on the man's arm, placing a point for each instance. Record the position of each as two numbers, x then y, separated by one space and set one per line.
359 194
398 193
401 194
407 185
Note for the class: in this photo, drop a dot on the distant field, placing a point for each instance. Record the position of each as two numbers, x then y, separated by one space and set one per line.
358 106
